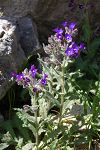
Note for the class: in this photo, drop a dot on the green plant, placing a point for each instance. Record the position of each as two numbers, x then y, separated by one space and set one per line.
58 92
48 123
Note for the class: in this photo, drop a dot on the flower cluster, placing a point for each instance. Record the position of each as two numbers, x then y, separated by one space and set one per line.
62 43
30 79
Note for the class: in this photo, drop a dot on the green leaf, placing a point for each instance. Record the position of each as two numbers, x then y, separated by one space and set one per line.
28 146
56 73
67 104
41 131
46 68
50 97
95 44
43 108
69 148
32 128
93 47
86 31
53 145
19 144
17 123
7 125
23 94
3 146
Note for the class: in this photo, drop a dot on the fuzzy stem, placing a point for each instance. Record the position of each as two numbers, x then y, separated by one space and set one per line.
36 115
62 91
37 137
34 103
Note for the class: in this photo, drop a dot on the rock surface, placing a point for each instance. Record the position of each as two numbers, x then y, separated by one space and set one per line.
13 52
28 35
50 10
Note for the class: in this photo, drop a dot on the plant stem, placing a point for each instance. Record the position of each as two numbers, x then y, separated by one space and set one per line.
36 115
37 141
34 103
62 91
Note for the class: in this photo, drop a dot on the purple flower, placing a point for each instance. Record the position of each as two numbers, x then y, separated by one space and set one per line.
13 74
27 79
58 30
72 50
55 30
68 37
82 46
43 81
33 71
25 83
75 48
35 90
64 24
59 36
72 25
45 75
20 77
69 52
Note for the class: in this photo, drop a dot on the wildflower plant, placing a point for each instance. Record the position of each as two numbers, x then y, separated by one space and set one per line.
54 87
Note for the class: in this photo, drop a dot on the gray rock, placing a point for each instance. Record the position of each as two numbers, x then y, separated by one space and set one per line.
17 8
49 10
28 35
13 53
